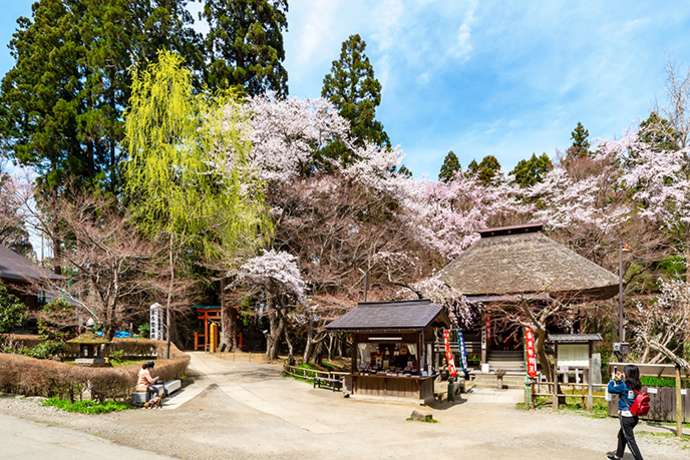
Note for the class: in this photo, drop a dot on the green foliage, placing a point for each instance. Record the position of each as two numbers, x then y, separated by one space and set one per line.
62 102
46 349
451 166
176 176
354 90
662 382
144 330
404 171
86 406
532 171
244 45
657 132
116 357
13 312
56 319
580 145
487 170
672 265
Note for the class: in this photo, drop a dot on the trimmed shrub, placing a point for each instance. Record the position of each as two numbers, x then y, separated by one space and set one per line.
13 312
37 377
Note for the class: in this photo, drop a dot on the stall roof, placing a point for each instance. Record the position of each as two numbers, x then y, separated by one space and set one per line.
520 260
574 338
410 314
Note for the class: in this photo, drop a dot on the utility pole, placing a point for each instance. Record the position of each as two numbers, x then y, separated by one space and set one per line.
621 328
623 247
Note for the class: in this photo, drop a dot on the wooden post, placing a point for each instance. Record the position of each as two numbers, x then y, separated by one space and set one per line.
679 404
555 376
484 345
590 402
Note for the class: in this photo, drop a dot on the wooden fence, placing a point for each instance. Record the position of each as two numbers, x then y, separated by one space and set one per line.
310 374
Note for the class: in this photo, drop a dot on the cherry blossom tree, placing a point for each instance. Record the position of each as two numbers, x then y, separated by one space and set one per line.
276 276
446 216
662 324
286 133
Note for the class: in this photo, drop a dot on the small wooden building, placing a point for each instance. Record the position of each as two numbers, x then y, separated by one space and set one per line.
392 356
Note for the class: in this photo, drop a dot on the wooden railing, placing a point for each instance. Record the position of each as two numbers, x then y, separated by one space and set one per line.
310 374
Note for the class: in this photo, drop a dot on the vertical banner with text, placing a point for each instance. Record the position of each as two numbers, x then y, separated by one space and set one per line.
530 354
449 355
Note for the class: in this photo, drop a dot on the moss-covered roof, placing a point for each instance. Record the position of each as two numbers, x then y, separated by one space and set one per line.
89 338
522 260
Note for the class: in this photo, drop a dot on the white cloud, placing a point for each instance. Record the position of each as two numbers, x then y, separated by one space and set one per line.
463 47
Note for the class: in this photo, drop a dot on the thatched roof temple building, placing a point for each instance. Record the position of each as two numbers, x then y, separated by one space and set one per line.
512 263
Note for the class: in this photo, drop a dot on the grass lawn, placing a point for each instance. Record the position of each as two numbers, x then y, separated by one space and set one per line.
600 408
86 406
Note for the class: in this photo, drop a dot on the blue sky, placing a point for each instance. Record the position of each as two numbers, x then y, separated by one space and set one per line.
501 78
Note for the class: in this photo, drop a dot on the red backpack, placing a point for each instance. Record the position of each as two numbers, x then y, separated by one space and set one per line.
640 406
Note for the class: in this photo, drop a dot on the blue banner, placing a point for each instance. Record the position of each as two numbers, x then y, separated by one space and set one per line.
462 351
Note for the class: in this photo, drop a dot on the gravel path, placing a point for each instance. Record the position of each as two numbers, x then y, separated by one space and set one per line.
247 410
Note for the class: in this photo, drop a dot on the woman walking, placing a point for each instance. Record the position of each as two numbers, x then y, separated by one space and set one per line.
626 385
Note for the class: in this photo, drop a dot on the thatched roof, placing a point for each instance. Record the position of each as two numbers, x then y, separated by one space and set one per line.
18 268
510 262
409 314
89 338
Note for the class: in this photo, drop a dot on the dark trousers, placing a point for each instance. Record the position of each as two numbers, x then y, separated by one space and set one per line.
626 436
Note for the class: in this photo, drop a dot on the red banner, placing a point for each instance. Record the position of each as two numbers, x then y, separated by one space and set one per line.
530 354
449 355
487 323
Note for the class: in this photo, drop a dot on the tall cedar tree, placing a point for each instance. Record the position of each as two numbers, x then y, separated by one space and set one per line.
487 170
62 103
352 87
451 166
244 45
532 171
580 146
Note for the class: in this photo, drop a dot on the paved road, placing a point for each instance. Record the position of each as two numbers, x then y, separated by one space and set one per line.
22 439
241 410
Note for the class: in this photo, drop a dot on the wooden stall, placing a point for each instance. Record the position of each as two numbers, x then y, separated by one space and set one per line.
392 355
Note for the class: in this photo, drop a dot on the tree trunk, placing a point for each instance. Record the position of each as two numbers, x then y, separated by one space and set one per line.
228 315
308 347
168 302
276 325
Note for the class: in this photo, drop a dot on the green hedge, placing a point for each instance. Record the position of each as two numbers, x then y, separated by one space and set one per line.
663 382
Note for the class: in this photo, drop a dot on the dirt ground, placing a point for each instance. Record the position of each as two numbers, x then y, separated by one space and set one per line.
243 410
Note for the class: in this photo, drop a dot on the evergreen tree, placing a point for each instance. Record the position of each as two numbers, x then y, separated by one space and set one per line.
657 132
62 103
404 171
451 166
352 87
580 145
487 171
532 171
244 45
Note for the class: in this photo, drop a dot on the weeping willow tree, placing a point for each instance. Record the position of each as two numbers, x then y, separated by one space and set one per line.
187 177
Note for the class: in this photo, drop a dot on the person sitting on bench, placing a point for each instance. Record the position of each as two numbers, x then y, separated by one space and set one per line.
145 381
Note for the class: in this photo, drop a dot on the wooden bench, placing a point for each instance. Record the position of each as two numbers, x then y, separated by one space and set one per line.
328 382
